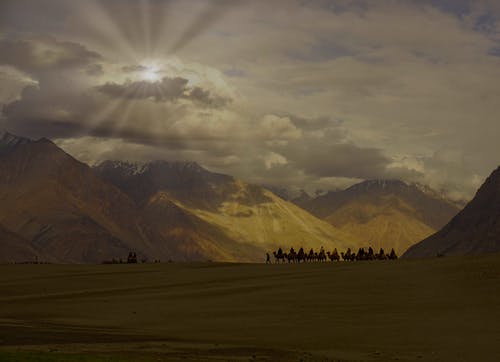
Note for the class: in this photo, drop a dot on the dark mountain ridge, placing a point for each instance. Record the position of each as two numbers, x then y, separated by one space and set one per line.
474 230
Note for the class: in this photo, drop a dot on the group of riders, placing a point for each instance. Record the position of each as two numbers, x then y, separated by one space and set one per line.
301 256
132 258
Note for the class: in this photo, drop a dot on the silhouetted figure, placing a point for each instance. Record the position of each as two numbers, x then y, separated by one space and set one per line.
132 258
292 255
322 255
347 255
296 257
310 256
371 255
279 255
392 255
333 256
361 254
301 256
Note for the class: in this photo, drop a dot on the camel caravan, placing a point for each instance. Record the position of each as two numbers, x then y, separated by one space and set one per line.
301 256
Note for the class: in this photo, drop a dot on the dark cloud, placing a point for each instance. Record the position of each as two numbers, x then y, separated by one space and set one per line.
134 68
94 70
313 124
339 160
165 90
48 110
329 154
54 110
44 53
203 96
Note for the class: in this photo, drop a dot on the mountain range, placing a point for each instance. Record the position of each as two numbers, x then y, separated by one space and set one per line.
54 207
474 230
58 209
247 213
383 213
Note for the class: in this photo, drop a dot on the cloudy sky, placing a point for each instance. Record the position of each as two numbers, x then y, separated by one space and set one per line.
302 94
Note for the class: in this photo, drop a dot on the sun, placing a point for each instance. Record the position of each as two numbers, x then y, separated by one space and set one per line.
150 73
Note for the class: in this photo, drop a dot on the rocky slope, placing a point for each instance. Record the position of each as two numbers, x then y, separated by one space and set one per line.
15 249
475 230
61 207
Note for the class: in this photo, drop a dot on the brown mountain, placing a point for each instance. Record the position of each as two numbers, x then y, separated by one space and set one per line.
247 213
475 230
60 209
15 249
384 213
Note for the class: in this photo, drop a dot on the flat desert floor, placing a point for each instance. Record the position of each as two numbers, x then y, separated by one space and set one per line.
443 309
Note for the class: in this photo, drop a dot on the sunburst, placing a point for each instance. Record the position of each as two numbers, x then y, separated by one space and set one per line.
150 73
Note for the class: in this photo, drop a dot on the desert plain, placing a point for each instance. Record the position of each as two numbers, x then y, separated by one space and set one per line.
440 309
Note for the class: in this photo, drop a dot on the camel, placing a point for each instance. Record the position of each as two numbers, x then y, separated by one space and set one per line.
392 255
370 255
310 256
132 258
321 255
333 256
353 257
301 255
292 255
381 255
279 256
347 255
361 254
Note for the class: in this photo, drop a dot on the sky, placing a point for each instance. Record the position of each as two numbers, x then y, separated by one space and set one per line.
316 95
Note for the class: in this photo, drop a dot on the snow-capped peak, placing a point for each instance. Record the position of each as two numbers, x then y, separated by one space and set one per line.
129 168
9 140
135 168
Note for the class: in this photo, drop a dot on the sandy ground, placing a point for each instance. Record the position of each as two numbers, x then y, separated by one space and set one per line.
445 309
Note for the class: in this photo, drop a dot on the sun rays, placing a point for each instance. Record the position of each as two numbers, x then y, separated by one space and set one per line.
150 73
143 43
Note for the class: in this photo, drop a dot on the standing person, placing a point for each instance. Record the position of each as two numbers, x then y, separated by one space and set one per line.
268 258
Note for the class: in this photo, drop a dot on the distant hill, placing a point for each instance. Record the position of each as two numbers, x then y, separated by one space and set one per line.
384 213
475 230
297 197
